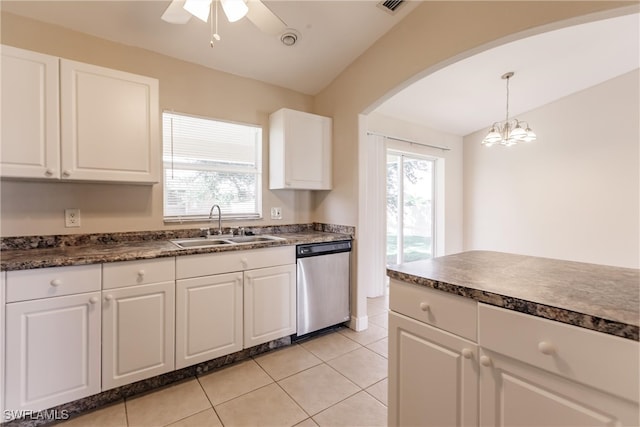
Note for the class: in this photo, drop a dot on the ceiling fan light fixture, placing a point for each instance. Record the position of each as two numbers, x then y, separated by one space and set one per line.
234 9
198 8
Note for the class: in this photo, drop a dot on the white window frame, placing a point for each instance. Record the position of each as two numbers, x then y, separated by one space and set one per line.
170 164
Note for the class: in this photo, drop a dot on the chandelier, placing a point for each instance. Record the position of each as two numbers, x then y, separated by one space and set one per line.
510 131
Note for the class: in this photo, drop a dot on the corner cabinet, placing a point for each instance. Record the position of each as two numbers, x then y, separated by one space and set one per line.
299 151
70 121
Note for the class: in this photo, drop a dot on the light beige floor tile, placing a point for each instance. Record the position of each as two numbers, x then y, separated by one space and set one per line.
363 366
110 416
206 418
233 381
358 410
330 346
167 405
318 388
287 361
380 391
371 334
377 305
381 347
307 423
381 320
267 406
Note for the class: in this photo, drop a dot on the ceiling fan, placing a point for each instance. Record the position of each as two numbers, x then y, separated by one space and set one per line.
181 11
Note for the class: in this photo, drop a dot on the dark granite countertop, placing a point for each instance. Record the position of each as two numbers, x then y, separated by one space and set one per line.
94 252
597 297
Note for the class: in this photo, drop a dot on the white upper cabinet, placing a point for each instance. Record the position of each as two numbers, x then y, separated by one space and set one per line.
110 127
66 120
299 151
30 144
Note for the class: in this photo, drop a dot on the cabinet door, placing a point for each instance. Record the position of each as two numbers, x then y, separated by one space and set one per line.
514 393
208 318
52 351
110 124
300 150
137 333
29 146
269 304
433 376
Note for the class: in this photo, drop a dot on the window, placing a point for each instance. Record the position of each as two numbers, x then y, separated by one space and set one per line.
410 207
209 162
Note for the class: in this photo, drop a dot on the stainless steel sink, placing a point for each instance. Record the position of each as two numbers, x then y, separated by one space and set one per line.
199 242
253 239
202 242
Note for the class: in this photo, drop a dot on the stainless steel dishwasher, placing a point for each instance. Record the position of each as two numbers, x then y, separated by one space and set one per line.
323 285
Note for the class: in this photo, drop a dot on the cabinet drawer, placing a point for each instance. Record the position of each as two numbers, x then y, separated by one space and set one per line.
52 282
603 361
228 262
449 312
139 272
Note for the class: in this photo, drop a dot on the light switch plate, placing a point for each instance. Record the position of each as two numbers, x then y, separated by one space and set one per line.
72 218
276 213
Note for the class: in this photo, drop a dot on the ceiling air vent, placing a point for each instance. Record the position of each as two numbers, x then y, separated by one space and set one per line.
390 6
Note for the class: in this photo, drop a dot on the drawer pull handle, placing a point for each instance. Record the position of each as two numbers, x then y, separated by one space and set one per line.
467 353
485 360
56 282
547 348
93 300
424 306
109 297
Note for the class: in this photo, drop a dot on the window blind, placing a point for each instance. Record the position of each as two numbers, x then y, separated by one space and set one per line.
209 162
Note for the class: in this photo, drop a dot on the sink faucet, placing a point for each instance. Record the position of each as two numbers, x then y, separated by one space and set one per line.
219 218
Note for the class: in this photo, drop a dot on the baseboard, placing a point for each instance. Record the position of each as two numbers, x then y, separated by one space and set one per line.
359 323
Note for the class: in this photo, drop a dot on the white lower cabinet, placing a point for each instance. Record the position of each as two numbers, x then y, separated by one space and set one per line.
137 321
540 372
52 351
269 304
523 371
433 376
137 333
208 318
52 341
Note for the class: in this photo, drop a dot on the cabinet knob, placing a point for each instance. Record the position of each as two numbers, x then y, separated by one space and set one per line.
56 282
424 306
48 172
244 262
108 297
485 360
545 347
93 300
66 173
467 353
141 273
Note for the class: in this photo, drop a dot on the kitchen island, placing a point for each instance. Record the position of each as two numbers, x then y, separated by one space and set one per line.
489 338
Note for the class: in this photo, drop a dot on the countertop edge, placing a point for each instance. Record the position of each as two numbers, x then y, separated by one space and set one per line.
566 316
28 259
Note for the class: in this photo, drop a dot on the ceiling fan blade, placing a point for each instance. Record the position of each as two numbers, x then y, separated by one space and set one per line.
263 18
175 13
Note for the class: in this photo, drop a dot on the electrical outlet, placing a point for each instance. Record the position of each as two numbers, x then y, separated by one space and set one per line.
276 213
72 218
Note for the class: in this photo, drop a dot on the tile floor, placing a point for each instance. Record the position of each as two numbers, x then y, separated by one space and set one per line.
338 379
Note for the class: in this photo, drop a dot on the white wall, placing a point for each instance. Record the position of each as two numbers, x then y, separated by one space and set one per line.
574 193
